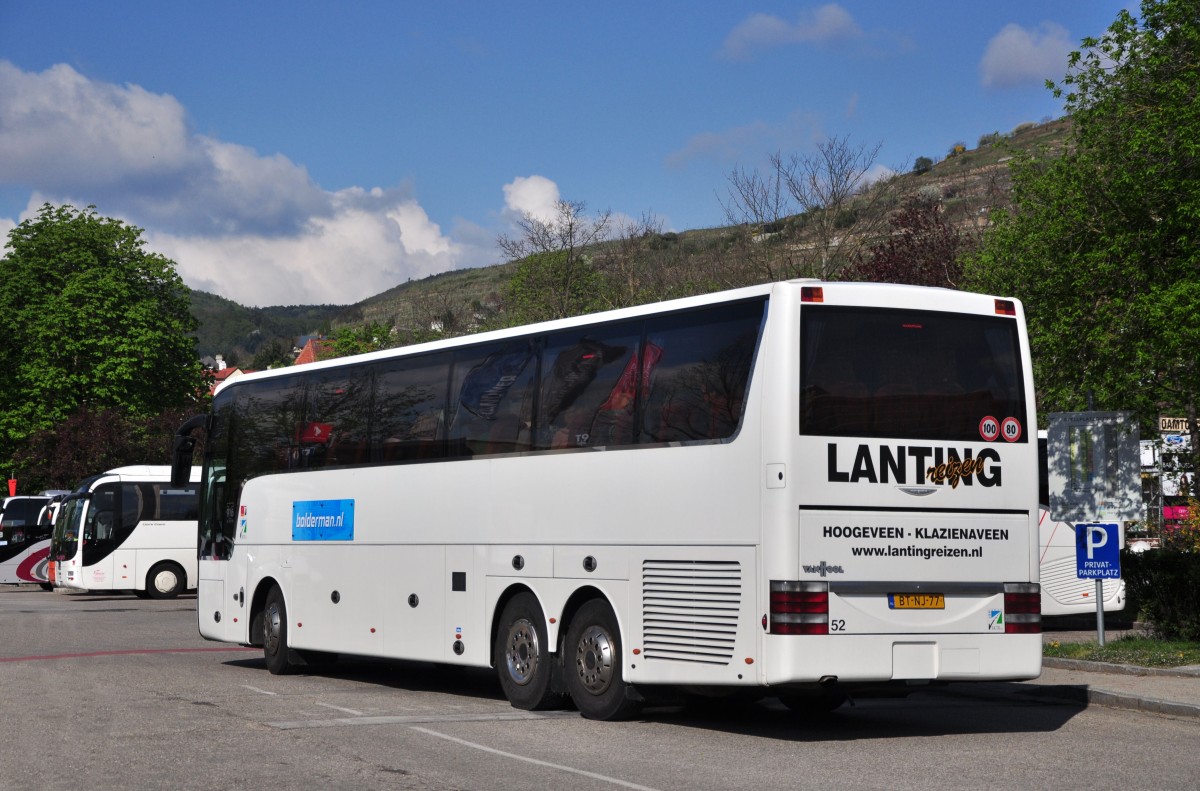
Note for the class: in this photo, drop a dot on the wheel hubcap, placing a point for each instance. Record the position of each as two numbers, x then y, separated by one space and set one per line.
521 652
271 630
165 581
594 660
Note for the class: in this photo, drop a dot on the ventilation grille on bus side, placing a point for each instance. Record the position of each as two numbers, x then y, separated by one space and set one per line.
1061 581
690 610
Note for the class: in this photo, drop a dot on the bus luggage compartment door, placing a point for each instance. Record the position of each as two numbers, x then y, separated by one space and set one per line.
218 621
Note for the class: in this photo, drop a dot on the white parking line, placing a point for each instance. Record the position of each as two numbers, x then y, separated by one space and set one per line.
339 708
256 689
535 761
409 719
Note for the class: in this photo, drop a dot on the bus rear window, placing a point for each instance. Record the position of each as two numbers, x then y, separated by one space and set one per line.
871 372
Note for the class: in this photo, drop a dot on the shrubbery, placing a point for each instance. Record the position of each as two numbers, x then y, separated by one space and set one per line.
1166 585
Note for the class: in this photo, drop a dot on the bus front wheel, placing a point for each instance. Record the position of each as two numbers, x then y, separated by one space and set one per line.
165 581
592 665
528 674
274 637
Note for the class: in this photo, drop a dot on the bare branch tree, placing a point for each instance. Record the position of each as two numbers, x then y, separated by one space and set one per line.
568 230
555 276
843 209
756 207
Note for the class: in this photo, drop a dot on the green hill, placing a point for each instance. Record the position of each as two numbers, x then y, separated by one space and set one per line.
968 182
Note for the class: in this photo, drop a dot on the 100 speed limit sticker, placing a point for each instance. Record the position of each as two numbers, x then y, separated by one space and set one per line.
991 429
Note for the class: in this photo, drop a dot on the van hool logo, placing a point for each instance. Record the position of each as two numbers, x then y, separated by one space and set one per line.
824 569
917 464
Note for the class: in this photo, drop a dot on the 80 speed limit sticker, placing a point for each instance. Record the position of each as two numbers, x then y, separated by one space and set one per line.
1010 429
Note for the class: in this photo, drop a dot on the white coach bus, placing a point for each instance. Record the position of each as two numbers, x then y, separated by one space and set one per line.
807 488
1063 592
128 528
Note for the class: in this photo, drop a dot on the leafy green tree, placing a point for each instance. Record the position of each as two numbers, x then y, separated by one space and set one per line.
555 276
370 337
1101 242
89 319
274 354
553 285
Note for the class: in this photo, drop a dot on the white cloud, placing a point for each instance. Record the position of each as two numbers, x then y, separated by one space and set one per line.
829 23
253 228
62 130
371 242
536 196
1016 56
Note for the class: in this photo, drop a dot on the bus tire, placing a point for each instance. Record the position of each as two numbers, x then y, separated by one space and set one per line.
528 674
592 665
165 581
275 633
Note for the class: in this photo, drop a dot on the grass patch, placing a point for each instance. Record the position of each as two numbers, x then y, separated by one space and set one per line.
1129 650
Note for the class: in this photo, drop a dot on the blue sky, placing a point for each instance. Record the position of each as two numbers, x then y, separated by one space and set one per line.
305 152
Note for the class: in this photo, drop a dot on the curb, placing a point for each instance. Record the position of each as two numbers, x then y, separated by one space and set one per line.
1086 695
1116 700
1190 671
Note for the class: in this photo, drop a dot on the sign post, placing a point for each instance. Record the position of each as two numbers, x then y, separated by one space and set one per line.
1094 475
1098 557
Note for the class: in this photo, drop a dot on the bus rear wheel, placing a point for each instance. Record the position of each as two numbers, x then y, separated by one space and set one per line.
165 581
592 662
528 674
274 636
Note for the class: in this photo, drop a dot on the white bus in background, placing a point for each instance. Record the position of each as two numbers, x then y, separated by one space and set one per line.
128 528
1063 592
802 488
24 545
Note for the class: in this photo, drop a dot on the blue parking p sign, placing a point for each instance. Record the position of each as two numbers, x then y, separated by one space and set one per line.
1098 551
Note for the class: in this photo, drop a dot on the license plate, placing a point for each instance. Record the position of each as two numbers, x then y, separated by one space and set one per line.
917 601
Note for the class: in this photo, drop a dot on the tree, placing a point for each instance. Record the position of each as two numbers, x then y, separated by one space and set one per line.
555 277
92 440
552 285
1101 242
841 209
89 319
921 250
370 337
274 354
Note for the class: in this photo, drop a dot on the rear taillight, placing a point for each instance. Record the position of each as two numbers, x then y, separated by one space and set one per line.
812 294
799 607
1006 307
1022 608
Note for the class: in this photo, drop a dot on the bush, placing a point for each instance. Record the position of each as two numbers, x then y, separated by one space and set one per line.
1166 585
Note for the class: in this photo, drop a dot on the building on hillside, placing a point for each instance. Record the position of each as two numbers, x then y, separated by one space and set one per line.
314 349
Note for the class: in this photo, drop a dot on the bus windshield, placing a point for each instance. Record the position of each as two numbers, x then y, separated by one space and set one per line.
917 374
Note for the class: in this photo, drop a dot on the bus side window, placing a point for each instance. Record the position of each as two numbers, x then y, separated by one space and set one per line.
489 408
588 377
408 420
335 432
695 372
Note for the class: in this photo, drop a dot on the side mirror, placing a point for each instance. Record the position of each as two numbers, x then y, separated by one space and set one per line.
184 449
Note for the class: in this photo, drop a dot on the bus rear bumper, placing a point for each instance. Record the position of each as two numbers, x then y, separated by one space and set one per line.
873 658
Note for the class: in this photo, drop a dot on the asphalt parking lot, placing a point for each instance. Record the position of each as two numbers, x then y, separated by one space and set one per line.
117 692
